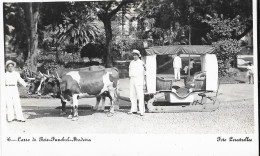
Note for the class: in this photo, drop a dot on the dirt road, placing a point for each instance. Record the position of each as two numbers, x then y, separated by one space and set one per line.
42 116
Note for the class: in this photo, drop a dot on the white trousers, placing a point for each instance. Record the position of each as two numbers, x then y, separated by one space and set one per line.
13 104
136 92
177 75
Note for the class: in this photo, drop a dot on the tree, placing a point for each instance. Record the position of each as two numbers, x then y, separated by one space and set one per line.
72 27
69 26
191 13
79 26
33 17
24 18
226 28
105 12
76 22
15 29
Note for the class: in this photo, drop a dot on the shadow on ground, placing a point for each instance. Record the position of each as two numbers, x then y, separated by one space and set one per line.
34 112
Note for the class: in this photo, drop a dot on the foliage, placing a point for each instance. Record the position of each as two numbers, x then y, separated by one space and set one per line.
76 65
53 60
92 50
79 26
163 13
78 31
15 27
222 36
122 44
76 27
223 28
60 57
18 59
78 23
226 50
192 13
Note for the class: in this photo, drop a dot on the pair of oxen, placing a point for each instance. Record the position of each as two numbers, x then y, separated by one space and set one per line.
72 84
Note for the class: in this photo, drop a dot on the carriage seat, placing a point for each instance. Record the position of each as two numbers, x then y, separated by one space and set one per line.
163 84
181 92
197 81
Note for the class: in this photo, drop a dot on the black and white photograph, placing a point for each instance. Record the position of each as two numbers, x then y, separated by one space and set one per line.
129 77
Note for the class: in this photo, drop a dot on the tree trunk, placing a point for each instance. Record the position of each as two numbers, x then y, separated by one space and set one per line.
235 61
33 44
105 17
108 31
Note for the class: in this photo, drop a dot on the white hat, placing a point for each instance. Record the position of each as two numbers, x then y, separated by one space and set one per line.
10 62
137 52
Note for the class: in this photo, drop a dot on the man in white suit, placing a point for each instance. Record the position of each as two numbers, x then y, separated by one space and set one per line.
177 65
12 98
137 75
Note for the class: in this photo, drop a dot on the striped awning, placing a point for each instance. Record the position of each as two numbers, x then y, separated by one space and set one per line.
182 49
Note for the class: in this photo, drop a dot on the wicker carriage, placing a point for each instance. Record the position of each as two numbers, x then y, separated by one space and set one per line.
179 99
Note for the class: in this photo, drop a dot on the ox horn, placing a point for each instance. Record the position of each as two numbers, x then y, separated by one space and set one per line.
41 74
58 77
48 76
31 78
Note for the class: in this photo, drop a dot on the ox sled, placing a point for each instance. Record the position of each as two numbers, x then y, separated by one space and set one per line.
194 93
70 85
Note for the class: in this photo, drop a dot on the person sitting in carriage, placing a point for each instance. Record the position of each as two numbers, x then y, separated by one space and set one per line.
191 64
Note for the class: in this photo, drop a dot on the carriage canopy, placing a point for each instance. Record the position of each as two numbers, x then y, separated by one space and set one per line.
183 49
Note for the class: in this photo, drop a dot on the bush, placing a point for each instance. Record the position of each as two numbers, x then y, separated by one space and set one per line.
53 60
226 51
75 65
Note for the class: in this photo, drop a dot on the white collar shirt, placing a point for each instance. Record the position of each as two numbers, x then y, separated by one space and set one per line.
11 79
136 69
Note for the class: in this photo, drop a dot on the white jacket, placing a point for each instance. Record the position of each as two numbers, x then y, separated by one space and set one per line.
177 62
137 71
11 89
11 78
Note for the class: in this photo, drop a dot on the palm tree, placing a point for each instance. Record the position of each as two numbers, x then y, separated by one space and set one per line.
78 29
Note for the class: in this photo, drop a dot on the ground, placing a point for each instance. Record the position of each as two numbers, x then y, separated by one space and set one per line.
235 115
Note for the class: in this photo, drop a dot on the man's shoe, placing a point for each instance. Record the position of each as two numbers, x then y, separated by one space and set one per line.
21 120
129 113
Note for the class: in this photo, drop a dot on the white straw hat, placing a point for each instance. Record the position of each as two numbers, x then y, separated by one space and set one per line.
10 62
137 52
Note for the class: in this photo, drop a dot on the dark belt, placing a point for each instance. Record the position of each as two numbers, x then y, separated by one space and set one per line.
9 85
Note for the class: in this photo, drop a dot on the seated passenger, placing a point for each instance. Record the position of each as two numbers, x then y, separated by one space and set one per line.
190 66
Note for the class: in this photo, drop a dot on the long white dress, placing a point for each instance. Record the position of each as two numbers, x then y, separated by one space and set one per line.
12 97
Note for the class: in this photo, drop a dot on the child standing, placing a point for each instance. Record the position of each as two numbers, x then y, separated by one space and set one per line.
250 73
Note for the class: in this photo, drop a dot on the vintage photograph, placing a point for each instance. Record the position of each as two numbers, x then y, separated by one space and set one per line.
138 70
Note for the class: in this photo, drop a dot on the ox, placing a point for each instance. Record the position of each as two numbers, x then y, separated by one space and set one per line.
71 85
